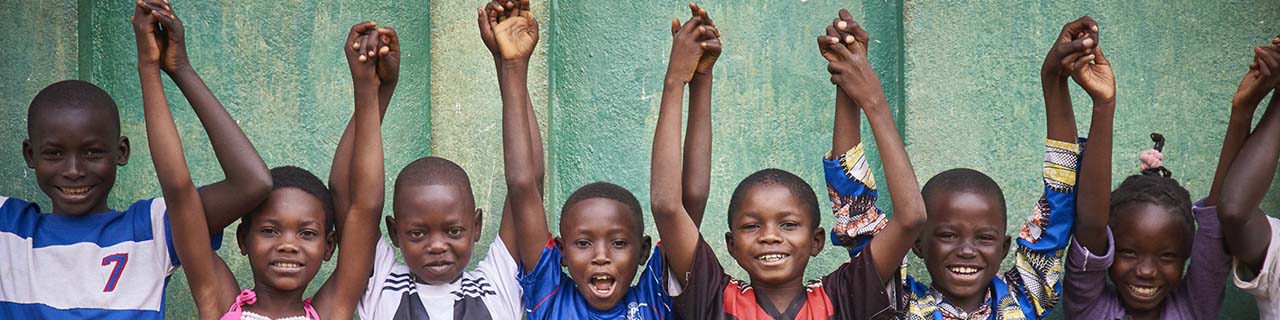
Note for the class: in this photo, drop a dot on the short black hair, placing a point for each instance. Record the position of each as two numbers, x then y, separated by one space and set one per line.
301 179
789 180
609 191
73 94
965 180
431 171
1155 189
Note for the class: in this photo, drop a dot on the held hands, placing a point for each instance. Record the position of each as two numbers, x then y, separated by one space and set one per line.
1076 53
695 46
845 48
1262 78
508 29
363 52
160 36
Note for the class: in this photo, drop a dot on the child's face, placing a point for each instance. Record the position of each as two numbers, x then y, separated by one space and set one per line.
1150 251
772 236
602 249
75 157
435 227
286 240
963 243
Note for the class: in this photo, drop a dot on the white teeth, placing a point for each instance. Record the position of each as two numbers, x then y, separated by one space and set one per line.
75 191
287 265
602 278
1143 291
964 270
771 257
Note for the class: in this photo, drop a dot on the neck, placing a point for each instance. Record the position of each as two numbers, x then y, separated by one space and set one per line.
275 303
781 296
966 304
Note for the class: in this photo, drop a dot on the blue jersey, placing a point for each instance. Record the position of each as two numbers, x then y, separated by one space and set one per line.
549 293
109 265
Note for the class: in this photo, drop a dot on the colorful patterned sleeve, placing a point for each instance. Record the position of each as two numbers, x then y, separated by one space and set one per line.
1041 247
852 190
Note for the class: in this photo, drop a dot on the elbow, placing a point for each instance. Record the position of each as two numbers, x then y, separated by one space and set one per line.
663 207
911 217
1231 212
522 183
257 186
695 195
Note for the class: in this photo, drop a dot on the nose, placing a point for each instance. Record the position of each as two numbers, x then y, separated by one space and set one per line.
288 247
769 235
1145 269
600 256
74 168
437 246
967 251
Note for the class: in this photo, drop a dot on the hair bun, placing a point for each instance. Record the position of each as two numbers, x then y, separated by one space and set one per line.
1152 160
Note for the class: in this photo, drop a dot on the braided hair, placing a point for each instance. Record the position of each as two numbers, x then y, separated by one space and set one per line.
1154 185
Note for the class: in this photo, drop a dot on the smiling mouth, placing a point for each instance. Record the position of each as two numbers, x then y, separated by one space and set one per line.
772 257
287 266
964 272
1144 292
75 191
602 284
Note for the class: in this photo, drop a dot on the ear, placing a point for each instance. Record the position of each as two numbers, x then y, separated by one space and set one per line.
645 249
560 244
819 237
1004 252
392 232
123 158
917 249
330 243
478 226
728 242
28 154
242 234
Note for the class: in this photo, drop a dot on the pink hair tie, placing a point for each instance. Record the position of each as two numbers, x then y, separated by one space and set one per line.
1151 159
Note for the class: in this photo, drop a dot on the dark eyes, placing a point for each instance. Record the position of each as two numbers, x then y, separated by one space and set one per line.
454 232
269 231
582 244
618 244
417 234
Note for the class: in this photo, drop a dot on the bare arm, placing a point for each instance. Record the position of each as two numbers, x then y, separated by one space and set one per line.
852 72
247 181
211 282
1074 46
388 71
1253 88
1244 226
696 178
341 292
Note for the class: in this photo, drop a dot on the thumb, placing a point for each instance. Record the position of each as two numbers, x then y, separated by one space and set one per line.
1099 57
482 18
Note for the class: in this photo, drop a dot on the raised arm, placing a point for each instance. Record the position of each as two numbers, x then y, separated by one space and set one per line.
388 76
498 11
247 181
677 228
342 290
1253 88
696 174
1092 71
515 35
212 284
1244 226
852 72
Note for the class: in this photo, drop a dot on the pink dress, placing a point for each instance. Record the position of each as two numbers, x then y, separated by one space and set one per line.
247 297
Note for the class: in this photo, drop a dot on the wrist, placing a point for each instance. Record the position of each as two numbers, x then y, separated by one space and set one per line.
1100 105
512 66
181 71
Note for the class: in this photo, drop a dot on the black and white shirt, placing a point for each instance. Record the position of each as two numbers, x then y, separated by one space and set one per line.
488 292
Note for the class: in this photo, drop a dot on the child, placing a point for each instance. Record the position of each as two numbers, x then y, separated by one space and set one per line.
603 233
292 233
1152 219
964 239
1252 237
86 260
436 224
773 214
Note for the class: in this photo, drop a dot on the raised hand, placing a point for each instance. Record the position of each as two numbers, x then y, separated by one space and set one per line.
1093 73
388 56
1262 78
361 48
848 64
508 29
1076 41
711 50
145 31
687 48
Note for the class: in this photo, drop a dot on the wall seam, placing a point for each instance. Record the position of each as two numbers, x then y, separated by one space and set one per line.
84 39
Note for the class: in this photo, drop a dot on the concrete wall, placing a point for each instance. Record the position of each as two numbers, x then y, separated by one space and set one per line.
965 89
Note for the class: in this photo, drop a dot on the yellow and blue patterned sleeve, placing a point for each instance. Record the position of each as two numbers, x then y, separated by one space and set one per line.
852 190
1041 247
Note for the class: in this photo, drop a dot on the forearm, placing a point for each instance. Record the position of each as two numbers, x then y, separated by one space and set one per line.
1246 185
696 184
665 193
1237 131
1094 191
847 130
340 173
522 191
904 191
367 183
1060 118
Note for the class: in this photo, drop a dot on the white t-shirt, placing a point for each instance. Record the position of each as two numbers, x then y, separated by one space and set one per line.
488 292
1265 287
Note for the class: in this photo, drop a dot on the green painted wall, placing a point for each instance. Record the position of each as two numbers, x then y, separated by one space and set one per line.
969 87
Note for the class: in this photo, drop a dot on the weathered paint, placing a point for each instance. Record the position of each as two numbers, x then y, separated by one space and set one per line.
970 89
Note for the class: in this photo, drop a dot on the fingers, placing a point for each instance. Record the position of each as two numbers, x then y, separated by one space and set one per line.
675 26
359 29
370 46
708 32
356 46
712 46
390 41
1079 64
697 11
515 8
1100 59
485 22
1269 60
1068 62
845 15
497 13
691 25
1083 24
